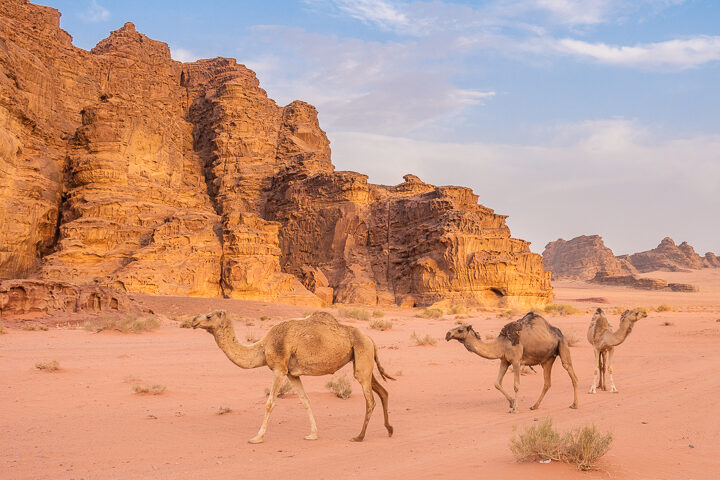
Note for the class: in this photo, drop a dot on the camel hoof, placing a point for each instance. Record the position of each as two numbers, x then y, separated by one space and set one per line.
592 391
614 390
534 407
357 439
256 440
312 436
390 430
573 406
513 410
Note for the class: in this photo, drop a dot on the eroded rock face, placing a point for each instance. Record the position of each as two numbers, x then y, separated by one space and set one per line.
583 257
640 283
670 257
124 168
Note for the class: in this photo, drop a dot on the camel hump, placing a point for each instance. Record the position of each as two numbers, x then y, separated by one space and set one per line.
512 330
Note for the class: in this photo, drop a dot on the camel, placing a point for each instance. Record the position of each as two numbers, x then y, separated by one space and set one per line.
604 341
529 341
315 345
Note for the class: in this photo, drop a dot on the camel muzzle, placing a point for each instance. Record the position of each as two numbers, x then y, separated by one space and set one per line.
448 336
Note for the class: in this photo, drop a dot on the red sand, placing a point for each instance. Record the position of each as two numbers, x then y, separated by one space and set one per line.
85 422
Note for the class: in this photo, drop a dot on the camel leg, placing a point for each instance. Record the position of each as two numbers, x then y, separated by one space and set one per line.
547 370
596 372
603 370
383 394
498 383
611 352
364 364
516 370
298 386
564 351
269 405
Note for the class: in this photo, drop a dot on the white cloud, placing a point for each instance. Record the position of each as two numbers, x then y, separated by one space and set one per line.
675 54
183 55
613 177
95 13
378 12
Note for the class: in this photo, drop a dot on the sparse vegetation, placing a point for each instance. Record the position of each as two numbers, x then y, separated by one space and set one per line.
377 324
48 366
285 388
2 329
426 340
264 318
665 308
341 387
582 446
224 410
378 313
668 324
33 326
143 388
129 323
561 309
398 373
432 312
185 321
356 313
618 310
457 309
508 313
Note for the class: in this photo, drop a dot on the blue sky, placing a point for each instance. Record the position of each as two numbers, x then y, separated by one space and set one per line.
572 117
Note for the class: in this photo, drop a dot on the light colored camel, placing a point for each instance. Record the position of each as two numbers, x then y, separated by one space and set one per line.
604 341
528 341
316 345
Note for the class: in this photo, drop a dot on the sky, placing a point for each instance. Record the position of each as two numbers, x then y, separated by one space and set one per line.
572 117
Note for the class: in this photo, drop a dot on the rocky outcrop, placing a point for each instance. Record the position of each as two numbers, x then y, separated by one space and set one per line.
633 281
582 258
120 167
19 297
672 258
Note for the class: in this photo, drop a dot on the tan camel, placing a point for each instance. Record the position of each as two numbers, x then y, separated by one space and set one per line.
316 345
528 341
604 341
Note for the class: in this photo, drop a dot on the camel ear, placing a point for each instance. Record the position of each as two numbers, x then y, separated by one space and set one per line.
599 310
222 313
470 328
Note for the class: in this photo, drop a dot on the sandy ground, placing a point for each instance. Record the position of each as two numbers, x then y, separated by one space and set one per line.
85 421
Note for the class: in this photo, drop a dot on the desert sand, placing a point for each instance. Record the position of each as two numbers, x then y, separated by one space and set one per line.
85 421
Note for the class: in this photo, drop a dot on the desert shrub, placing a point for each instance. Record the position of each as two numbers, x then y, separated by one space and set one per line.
383 325
457 309
561 309
264 318
537 442
129 323
2 329
224 410
432 312
507 313
665 308
378 313
143 388
356 313
584 446
426 340
341 387
49 366
398 373
185 321
618 310
668 324
33 326
285 388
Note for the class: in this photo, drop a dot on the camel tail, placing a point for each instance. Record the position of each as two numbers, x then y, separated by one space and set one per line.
382 371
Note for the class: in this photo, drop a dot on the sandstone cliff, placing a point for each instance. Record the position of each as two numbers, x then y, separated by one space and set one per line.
121 167
583 257
672 258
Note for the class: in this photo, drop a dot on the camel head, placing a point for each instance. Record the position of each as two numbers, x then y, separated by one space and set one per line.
210 321
599 313
459 333
634 315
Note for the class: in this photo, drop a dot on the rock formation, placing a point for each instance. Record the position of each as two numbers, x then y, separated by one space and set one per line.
672 258
583 257
633 281
121 167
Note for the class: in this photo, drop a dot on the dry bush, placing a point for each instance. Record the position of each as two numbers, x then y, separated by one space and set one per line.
185 321
2 329
572 339
341 387
508 313
129 323
582 446
143 388
383 325
432 312
378 313
665 308
398 373
457 309
224 410
461 317
426 340
285 388
618 310
668 324
561 309
356 313
33 326
264 318
537 442
49 366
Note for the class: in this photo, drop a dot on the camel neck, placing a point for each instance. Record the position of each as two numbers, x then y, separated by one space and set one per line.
622 332
244 356
489 350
